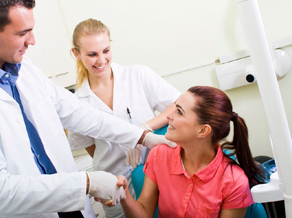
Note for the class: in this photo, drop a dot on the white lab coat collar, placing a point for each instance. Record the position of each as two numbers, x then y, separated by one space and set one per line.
84 90
5 96
119 87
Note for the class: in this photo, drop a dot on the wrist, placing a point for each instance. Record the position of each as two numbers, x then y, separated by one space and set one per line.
127 192
87 183
142 137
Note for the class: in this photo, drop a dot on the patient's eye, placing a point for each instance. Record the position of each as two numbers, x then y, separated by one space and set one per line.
179 112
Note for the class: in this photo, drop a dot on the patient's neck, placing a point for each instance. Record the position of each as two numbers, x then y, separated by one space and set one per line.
197 158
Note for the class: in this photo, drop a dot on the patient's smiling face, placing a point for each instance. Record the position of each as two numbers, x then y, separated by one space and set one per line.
183 121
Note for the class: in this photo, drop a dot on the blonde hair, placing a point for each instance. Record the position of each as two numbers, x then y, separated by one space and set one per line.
86 28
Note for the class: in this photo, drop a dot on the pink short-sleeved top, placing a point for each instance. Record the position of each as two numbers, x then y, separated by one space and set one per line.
219 185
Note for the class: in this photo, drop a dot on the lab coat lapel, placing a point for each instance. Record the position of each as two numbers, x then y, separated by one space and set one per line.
86 93
24 95
5 96
119 88
97 103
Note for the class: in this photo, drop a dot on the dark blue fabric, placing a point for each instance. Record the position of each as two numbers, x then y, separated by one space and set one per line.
10 72
45 164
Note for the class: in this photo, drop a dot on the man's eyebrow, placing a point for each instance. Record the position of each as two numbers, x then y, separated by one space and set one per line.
24 31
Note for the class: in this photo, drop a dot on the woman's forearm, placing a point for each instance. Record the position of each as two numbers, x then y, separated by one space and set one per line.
161 119
133 208
90 150
146 205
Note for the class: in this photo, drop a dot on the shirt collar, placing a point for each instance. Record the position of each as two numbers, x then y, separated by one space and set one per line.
206 174
12 69
176 166
84 90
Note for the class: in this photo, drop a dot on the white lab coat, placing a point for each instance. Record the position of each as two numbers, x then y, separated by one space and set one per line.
142 91
24 192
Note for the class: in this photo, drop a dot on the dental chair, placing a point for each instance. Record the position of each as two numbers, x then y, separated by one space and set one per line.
256 210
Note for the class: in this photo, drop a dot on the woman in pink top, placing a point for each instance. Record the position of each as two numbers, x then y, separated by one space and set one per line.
196 179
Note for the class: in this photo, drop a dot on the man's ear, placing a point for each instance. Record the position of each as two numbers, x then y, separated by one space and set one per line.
75 54
204 131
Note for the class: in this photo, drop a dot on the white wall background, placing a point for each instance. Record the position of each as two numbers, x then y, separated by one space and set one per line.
171 35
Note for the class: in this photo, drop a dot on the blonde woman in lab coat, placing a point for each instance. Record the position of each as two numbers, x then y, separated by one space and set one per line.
131 93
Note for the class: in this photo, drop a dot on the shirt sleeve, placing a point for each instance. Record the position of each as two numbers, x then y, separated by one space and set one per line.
159 92
78 141
239 194
81 117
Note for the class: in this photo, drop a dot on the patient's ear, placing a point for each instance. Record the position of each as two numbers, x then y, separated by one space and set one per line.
204 131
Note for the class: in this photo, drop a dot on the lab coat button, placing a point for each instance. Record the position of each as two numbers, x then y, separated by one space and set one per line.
18 120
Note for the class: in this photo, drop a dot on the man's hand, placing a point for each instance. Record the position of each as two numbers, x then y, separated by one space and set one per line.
133 156
150 140
103 186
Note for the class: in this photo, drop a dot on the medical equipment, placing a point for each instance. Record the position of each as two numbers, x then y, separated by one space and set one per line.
263 65
241 72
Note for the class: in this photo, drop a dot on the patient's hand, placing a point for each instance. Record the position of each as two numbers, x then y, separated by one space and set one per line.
122 181
108 203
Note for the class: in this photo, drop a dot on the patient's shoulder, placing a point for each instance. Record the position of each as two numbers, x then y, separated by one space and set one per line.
163 151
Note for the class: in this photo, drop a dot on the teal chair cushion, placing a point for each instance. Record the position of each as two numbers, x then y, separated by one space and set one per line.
138 174
256 210
138 181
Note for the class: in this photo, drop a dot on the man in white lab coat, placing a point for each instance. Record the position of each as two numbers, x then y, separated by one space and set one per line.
29 100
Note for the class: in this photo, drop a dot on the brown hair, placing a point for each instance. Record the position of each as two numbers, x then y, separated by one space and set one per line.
213 107
5 5
85 28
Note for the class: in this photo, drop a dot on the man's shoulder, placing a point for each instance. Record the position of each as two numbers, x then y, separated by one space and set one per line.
26 63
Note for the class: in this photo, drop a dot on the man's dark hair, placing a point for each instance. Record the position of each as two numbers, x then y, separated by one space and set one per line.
5 5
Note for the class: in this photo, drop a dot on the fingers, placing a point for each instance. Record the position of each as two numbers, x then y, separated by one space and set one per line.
109 203
134 159
128 160
171 144
97 199
122 181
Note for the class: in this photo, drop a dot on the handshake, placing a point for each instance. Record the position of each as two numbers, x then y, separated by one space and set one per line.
102 185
